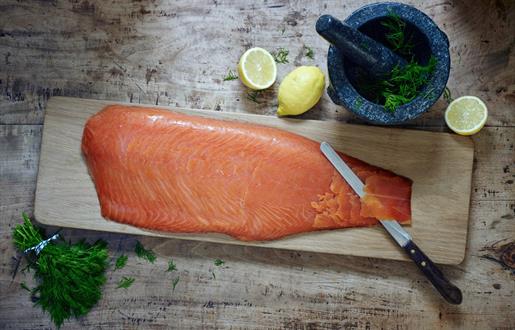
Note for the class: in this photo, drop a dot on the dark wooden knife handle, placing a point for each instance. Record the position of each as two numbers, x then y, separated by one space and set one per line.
450 292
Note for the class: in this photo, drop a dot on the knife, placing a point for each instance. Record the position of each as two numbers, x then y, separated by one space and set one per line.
450 292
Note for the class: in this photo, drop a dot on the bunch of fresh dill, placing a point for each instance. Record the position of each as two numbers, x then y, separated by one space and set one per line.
69 276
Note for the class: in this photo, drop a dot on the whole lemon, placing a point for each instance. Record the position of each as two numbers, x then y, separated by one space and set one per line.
300 90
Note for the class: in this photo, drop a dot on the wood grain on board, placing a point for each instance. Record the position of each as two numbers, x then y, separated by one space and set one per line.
439 164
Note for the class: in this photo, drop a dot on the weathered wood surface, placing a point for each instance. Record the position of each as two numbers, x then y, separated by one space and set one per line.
176 53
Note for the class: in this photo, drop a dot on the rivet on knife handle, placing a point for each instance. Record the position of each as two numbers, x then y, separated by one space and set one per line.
450 292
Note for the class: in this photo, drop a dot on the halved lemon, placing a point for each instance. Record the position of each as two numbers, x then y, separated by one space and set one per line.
257 69
466 115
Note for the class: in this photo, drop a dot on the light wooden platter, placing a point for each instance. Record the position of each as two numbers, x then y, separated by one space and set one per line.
439 164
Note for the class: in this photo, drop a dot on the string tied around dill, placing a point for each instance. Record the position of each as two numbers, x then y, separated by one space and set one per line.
37 248
41 245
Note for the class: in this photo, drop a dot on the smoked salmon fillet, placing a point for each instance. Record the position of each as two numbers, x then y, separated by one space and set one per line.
167 171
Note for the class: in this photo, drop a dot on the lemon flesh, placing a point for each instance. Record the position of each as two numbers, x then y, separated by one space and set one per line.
466 115
300 90
257 69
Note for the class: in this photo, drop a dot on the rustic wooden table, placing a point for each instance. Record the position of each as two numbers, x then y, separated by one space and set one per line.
176 53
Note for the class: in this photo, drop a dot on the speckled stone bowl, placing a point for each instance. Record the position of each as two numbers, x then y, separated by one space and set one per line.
429 40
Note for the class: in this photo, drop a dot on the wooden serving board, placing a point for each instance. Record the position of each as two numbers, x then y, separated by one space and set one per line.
439 164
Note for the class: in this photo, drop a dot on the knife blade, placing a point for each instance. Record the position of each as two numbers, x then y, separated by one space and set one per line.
450 292
396 231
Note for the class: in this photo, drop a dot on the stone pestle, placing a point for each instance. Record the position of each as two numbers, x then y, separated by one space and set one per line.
364 51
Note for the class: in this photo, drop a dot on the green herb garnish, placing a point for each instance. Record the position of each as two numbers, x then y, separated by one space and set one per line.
402 84
144 253
253 96
174 283
69 276
230 76
281 55
364 46
400 87
309 52
396 34
218 263
171 266
358 102
429 94
120 262
447 95
25 287
125 282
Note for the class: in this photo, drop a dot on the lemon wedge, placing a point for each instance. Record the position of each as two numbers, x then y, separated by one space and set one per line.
300 90
466 115
257 69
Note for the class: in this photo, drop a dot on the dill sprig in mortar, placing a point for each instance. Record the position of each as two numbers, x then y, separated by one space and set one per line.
396 35
402 84
400 87
69 276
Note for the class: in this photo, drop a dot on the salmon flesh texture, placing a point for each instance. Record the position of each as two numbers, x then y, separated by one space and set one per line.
168 171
